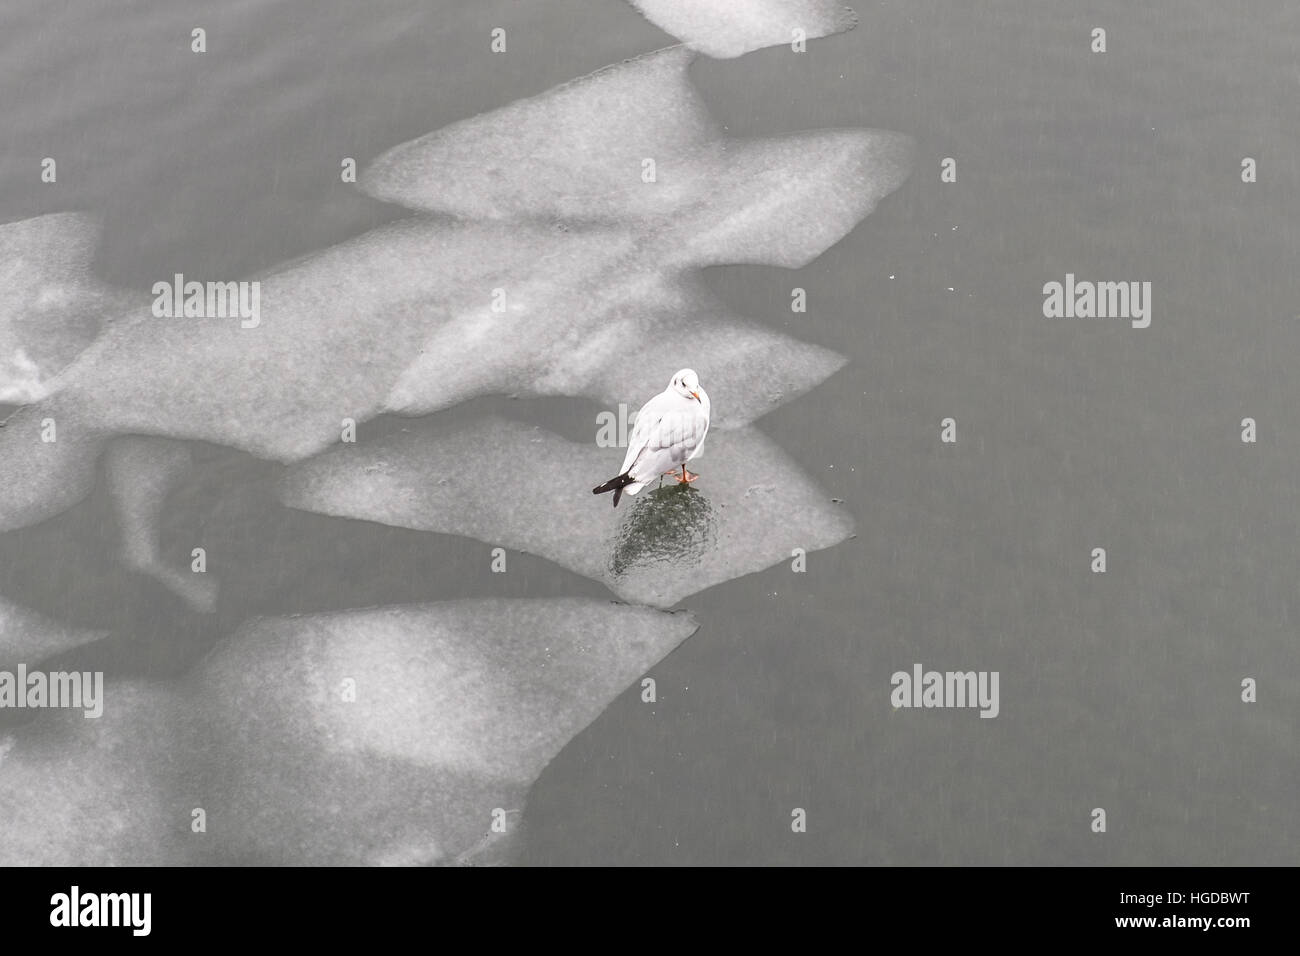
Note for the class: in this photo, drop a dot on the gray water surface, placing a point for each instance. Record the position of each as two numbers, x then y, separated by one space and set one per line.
1118 690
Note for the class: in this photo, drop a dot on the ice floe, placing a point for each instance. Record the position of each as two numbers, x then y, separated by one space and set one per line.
27 637
571 271
51 304
728 28
380 735
521 487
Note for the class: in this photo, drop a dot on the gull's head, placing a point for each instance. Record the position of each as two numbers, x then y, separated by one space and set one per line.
687 384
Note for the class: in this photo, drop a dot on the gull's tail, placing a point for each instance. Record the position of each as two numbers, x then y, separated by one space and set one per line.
615 485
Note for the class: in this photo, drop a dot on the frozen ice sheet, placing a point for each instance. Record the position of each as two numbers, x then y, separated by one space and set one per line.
27 637
425 313
458 707
51 304
728 28
521 487
635 143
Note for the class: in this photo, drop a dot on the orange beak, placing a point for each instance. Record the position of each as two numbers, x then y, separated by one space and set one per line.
696 395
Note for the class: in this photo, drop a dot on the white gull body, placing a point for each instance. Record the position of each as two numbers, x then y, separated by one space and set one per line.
669 431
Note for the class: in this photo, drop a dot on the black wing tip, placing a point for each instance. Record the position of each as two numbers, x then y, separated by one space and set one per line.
616 485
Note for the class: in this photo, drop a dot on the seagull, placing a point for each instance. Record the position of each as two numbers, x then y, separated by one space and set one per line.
669 432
